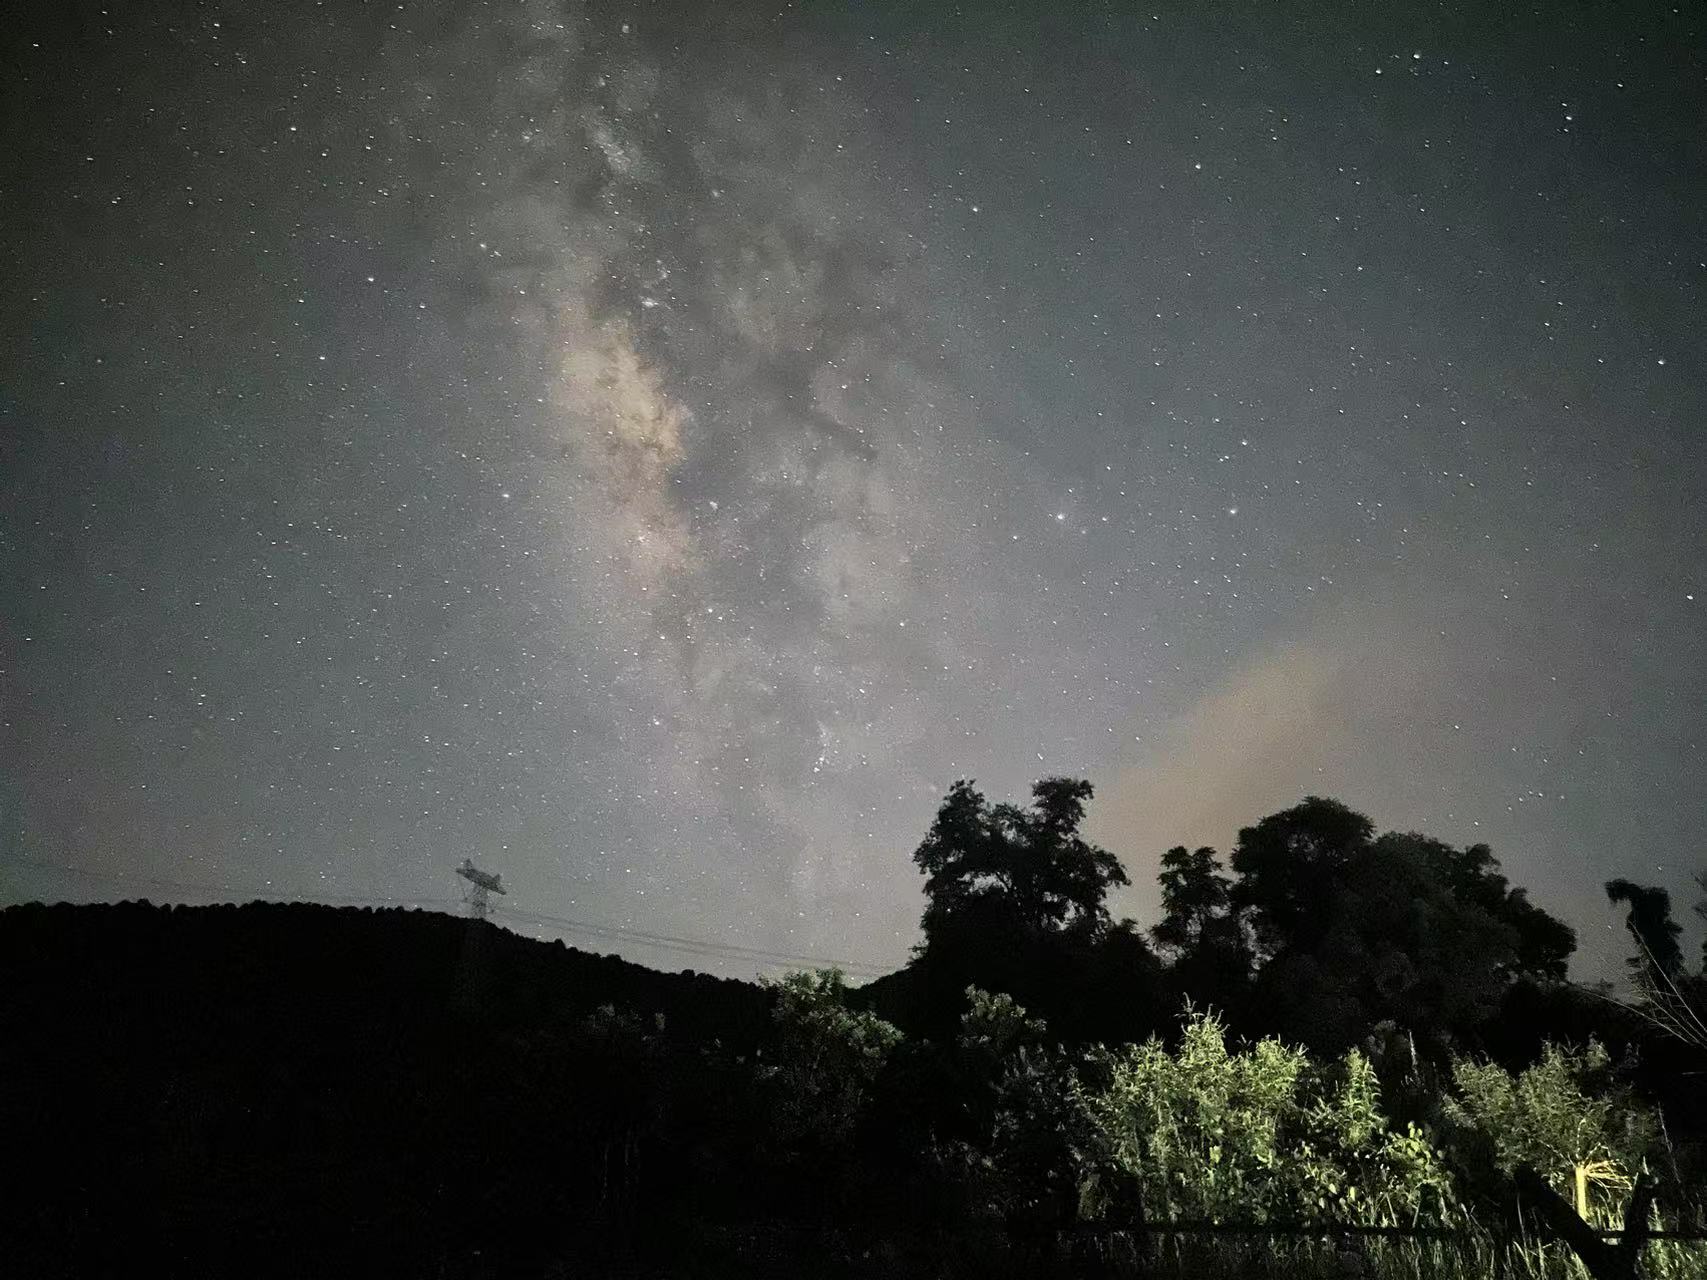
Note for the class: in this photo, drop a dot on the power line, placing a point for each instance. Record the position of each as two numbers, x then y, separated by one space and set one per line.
734 949
610 933
746 957
717 946
697 946
642 935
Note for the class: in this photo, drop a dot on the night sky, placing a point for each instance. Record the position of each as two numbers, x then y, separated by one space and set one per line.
654 449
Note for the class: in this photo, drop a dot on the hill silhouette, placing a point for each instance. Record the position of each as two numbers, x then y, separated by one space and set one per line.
295 1089
234 1085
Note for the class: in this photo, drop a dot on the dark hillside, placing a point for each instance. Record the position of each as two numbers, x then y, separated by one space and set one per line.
298 1090
239 1085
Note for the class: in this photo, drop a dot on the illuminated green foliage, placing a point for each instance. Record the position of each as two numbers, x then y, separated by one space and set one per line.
1565 1117
1258 1135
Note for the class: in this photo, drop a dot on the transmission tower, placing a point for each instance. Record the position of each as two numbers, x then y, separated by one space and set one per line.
480 885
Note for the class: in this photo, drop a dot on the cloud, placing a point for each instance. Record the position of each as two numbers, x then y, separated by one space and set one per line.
1331 712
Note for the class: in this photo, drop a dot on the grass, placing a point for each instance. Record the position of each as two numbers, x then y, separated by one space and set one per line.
1472 1257
959 1252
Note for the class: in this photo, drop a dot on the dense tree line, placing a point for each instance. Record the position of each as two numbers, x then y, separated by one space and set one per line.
1329 1024
1318 929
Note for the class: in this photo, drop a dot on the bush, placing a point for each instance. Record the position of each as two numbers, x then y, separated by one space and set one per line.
1259 1135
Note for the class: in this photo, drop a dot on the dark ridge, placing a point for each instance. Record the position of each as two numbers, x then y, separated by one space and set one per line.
290 1089
246 961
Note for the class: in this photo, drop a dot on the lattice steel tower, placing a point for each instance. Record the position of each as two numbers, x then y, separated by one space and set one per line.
476 894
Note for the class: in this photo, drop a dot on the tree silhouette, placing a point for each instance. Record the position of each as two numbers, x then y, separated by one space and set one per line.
1392 944
1017 902
589 1109
1671 998
1027 868
1700 909
1544 942
1202 931
1288 865
1351 930
1195 894
1650 924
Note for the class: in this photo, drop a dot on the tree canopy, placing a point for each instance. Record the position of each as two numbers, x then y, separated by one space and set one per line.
1320 928
1016 901
1195 896
1354 929
1029 868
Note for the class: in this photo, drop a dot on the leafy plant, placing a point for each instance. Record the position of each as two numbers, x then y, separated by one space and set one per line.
1565 1116
826 1058
1259 1134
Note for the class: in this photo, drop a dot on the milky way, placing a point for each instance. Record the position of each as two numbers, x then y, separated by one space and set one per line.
654 452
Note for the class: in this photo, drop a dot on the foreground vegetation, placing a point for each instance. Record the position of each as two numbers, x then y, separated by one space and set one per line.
1342 1054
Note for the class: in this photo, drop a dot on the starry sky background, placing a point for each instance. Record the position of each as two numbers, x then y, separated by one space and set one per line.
654 449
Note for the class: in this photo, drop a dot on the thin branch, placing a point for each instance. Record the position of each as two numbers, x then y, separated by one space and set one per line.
1661 1002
